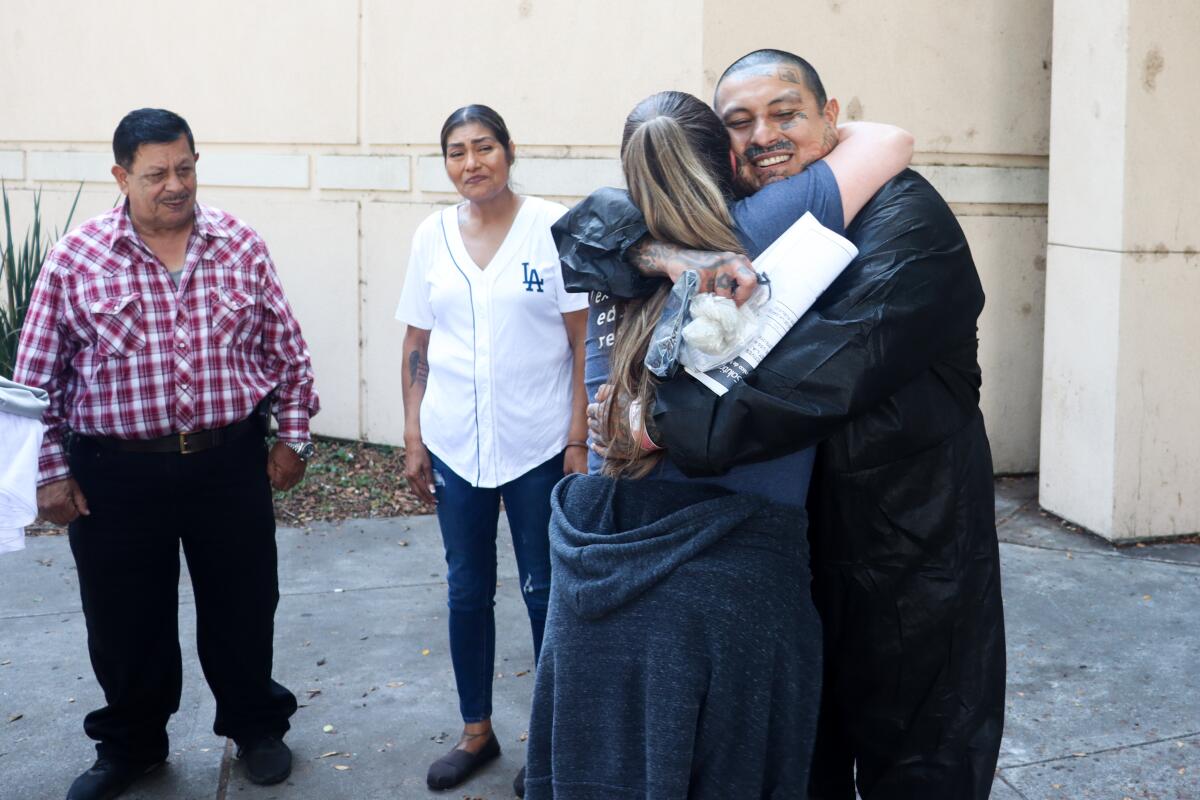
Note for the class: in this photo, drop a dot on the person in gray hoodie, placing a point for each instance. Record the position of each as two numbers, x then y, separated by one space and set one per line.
682 650
682 654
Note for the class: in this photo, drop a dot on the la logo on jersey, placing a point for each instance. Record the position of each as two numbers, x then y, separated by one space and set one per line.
532 278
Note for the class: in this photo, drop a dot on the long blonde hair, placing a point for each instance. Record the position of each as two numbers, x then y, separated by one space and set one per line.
675 157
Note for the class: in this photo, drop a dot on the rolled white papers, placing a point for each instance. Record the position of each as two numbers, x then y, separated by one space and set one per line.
800 265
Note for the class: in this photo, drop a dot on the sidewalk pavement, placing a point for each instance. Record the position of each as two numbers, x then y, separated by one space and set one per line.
1102 680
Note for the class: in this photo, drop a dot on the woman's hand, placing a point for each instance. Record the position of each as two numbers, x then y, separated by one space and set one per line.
575 460
418 471
597 417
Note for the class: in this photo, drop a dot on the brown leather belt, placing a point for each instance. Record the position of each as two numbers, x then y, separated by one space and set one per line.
182 443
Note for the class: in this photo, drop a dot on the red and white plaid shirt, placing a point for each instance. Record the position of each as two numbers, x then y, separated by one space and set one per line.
123 353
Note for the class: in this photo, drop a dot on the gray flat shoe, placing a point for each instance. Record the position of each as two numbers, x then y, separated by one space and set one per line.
456 766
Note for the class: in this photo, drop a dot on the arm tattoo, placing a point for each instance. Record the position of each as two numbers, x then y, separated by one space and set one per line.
649 256
652 257
418 369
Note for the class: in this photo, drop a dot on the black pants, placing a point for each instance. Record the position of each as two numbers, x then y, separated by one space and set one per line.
218 504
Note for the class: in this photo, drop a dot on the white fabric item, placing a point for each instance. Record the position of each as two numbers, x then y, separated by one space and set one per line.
498 398
20 440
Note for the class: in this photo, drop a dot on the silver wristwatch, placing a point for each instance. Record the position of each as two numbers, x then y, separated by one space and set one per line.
304 450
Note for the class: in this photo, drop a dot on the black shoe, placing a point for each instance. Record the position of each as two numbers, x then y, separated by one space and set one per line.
456 766
108 778
519 784
268 760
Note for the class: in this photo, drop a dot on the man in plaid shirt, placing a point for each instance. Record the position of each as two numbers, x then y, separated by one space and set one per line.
163 337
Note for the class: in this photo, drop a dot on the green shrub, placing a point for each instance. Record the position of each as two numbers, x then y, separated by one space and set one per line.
19 270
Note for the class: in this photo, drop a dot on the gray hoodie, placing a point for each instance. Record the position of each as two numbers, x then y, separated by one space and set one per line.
682 652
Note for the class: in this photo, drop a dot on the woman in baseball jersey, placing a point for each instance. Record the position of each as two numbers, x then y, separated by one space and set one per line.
493 400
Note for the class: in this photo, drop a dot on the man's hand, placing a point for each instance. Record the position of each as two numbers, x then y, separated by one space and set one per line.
724 274
284 467
418 471
61 502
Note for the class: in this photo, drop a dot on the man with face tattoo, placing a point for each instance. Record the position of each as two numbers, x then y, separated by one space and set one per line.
883 375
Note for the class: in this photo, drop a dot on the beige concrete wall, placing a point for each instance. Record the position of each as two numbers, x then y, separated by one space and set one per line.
1120 433
271 71
968 77
318 123
533 60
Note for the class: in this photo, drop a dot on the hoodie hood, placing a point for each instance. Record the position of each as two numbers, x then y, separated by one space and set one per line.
613 540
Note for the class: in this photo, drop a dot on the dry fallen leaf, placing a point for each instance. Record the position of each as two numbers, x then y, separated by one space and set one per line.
329 729
524 736
15 717
425 652
313 693
395 684
327 755
341 767
1145 597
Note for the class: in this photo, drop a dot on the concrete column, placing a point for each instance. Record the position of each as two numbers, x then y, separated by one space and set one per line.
1120 443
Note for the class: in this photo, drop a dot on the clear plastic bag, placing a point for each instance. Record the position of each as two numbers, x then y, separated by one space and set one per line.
718 330
662 356
700 330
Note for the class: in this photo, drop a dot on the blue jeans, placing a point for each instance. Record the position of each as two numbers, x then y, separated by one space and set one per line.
468 516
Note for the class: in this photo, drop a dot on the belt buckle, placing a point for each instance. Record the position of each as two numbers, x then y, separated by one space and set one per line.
184 445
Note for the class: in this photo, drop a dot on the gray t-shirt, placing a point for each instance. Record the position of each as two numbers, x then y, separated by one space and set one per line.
761 219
